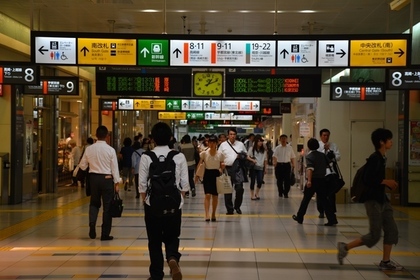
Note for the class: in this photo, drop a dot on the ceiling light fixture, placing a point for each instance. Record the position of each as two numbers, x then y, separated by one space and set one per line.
397 5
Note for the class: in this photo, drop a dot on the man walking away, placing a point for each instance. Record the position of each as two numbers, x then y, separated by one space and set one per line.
104 178
163 228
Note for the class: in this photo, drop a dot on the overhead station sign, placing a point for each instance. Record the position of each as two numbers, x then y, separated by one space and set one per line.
303 51
55 50
378 53
333 53
100 51
222 53
54 86
19 74
357 92
189 105
153 53
296 53
404 78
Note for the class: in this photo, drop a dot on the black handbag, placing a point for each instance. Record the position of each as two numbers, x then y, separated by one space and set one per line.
117 206
334 181
292 178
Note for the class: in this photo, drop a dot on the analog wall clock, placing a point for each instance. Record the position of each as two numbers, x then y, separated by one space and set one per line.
208 83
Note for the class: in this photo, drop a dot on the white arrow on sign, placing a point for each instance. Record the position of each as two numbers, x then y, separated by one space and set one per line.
144 51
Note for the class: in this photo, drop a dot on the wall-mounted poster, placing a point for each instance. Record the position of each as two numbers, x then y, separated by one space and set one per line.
414 143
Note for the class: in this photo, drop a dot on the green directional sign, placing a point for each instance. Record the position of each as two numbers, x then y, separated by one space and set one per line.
195 116
173 105
153 53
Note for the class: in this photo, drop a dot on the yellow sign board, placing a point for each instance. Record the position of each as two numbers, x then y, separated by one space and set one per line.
99 51
149 104
172 115
378 53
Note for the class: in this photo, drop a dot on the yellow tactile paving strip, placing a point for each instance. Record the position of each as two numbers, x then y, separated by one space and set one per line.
413 213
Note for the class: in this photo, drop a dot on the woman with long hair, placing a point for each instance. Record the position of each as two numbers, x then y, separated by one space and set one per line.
214 162
259 154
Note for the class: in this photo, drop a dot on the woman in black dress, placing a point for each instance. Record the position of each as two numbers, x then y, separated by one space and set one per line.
214 162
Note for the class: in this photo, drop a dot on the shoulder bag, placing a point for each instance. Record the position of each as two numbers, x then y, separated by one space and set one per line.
334 181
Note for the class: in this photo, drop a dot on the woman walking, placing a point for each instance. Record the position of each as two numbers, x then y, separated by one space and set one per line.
259 154
214 162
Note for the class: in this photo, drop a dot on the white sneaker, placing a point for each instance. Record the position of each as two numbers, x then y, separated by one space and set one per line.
390 265
342 252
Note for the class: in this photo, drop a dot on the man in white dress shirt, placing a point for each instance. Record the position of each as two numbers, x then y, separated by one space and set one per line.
284 163
230 149
331 150
104 177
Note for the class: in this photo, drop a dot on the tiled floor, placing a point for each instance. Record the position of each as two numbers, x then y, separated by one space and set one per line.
47 238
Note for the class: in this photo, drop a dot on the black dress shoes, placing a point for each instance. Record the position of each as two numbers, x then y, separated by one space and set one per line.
229 213
92 231
296 218
238 210
109 237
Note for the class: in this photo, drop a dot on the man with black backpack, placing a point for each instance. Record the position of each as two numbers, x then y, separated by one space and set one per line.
378 207
163 181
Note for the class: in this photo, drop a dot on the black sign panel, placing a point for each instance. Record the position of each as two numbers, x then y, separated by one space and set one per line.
136 81
19 74
55 86
108 104
403 78
357 92
297 83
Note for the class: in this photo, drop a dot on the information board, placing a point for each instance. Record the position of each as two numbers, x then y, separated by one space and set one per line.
403 78
142 83
357 92
301 84
54 86
19 74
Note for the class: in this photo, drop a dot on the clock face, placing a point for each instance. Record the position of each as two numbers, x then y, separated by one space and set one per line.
208 83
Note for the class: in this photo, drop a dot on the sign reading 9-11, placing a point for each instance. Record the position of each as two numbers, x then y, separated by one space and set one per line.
222 53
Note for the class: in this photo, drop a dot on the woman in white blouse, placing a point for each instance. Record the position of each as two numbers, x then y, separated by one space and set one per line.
257 151
214 162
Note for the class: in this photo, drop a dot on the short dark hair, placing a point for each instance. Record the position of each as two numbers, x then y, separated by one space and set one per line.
101 132
127 142
233 130
90 141
313 144
186 138
161 133
283 135
136 145
324 130
380 134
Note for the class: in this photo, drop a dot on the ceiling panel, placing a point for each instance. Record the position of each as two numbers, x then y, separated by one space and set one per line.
212 16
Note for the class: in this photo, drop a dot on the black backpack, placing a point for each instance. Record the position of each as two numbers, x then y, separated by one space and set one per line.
358 187
163 193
